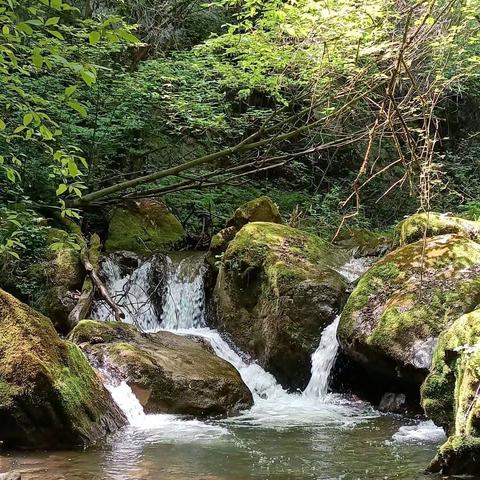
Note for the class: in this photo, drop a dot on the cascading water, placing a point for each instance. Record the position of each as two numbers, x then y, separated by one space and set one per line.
132 291
322 362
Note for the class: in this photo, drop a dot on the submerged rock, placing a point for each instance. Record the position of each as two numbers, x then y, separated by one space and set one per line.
276 291
430 224
168 373
143 226
450 396
261 209
393 317
393 403
11 476
50 397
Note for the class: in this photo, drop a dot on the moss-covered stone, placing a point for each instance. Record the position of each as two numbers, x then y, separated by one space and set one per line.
143 226
169 373
430 224
364 243
402 304
450 395
261 209
276 291
50 397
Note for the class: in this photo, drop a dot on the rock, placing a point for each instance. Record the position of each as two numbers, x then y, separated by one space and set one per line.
393 317
219 243
450 396
261 209
168 373
393 403
363 243
50 397
276 291
144 227
431 224
11 476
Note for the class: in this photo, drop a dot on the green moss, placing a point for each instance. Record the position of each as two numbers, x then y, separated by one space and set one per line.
38 370
107 332
260 209
430 224
410 296
144 227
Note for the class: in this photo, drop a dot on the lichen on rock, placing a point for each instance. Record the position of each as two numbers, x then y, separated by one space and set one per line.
276 291
144 227
50 397
169 373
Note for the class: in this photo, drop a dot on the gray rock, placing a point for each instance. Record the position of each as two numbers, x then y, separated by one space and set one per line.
11 476
393 403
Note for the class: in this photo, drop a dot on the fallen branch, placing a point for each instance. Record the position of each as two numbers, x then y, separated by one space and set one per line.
98 285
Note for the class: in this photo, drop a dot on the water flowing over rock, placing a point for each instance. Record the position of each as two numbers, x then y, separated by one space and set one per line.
168 373
400 306
276 291
50 397
137 286
322 362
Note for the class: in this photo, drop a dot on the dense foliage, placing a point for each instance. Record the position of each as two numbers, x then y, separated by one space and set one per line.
344 111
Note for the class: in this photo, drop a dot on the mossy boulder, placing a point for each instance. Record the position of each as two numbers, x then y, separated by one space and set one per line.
363 243
50 397
219 244
261 209
168 373
61 275
450 396
430 224
276 290
144 227
401 305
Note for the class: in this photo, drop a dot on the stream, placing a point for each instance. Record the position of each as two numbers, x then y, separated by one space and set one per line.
314 434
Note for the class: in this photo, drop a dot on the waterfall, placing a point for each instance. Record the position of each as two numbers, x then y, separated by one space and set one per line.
132 291
183 312
323 360
184 303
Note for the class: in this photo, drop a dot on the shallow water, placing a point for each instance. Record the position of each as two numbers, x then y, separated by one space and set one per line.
358 447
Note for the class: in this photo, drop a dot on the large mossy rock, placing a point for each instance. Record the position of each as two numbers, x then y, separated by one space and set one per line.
144 227
363 243
276 291
430 224
50 397
401 305
261 209
450 396
168 373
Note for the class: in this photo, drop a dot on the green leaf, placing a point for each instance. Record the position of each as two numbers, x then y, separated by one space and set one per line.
88 77
62 188
72 168
27 119
128 36
94 37
69 91
2 125
78 107
25 28
52 21
56 34
37 58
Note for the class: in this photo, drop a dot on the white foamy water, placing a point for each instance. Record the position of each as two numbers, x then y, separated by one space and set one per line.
425 431
131 291
355 268
184 314
322 362
184 305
